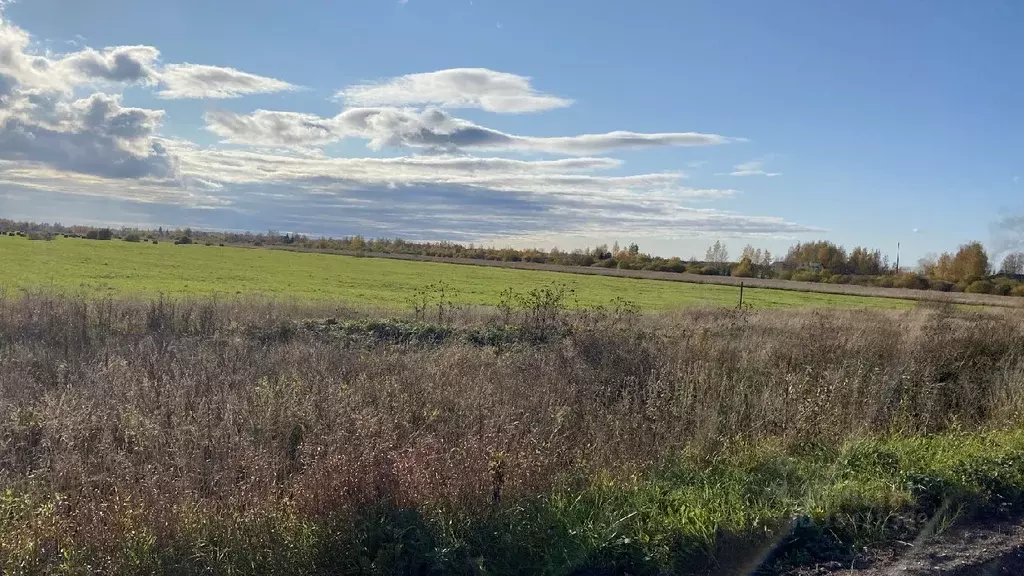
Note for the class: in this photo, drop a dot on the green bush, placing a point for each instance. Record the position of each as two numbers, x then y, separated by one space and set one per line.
940 285
785 275
132 237
102 234
979 287
1018 290
183 240
838 279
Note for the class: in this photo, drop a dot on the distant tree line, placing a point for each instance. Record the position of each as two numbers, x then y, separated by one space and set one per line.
967 270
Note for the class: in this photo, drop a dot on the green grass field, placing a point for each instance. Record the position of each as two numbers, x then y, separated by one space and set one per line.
118 268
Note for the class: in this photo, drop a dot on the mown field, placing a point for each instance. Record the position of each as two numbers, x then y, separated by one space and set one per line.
116 268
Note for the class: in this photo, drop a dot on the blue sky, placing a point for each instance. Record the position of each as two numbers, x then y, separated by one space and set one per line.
867 123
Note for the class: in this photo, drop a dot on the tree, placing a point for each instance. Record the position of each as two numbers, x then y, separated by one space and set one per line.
865 262
717 255
745 269
634 249
971 262
1013 263
829 255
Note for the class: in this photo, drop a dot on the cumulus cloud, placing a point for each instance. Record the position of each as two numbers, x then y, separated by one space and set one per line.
202 81
43 124
455 88
431 128
94 135
752 168
119 64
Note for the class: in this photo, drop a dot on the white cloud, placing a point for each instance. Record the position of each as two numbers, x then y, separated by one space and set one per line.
94 135
53 140
455 88
431 128
44 72
271 129
752 168
119 64
202 81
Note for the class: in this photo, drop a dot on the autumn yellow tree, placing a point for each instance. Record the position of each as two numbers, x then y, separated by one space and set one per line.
970 263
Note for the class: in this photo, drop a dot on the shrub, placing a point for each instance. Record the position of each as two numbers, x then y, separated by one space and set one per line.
838 279
979 287
940 285
1002 288
154 241
911 281
102 234
785 275
40 236
221 244
132 237
1017 290
183 240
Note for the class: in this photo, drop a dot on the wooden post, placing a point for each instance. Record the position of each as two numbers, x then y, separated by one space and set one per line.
741 295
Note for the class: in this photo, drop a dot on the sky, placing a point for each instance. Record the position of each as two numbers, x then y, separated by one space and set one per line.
529 123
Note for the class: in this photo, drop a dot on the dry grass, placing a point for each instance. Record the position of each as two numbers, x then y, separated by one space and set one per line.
154 420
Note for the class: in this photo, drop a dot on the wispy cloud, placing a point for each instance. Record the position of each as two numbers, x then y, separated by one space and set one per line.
752 168
431 129
202 81
455 88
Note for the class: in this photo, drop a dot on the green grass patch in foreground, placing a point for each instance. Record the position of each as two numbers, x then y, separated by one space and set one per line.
805 503
116 268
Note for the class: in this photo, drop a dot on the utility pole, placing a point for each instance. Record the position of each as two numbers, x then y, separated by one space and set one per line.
897 257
